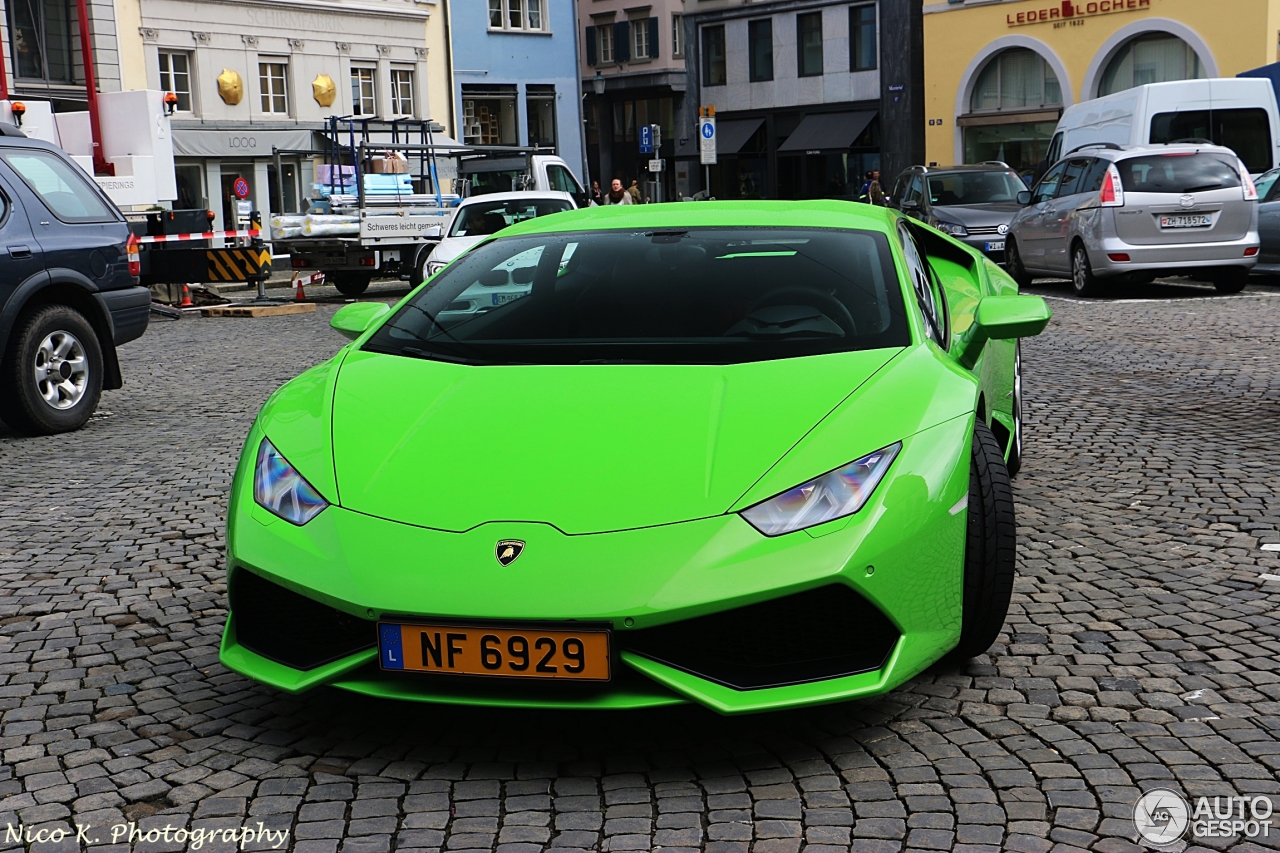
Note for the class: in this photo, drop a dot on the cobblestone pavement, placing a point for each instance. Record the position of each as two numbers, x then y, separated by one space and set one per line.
1142 650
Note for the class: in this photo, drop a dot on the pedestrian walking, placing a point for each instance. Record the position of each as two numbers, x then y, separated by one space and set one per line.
596 196
617 195
875 193
634 191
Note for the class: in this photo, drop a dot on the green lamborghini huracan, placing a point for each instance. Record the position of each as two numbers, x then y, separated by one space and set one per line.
753 455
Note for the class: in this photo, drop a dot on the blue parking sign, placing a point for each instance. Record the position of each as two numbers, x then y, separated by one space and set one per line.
646 138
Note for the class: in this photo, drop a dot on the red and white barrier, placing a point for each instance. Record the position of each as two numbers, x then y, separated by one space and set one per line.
203 235
316 277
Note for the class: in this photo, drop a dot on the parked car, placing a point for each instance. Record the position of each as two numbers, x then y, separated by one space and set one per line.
1108 211
69 292
1269 223
971 203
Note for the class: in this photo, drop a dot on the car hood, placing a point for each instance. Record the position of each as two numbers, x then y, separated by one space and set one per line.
450 247
586 448
978 214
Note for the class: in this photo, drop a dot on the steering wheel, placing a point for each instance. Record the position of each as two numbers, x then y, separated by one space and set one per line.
832 307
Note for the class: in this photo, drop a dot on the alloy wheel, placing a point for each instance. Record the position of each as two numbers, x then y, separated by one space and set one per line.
61 370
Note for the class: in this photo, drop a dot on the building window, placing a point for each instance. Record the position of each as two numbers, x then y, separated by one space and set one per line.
489 115
515 14
713 59
274 89
363 102
677 35
809 44
402 91
862 37
40 40
760 39
604 32
175 76
1151 58
540 105
640 39
1016 79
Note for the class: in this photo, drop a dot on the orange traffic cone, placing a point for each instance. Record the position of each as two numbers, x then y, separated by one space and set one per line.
299 294
186 298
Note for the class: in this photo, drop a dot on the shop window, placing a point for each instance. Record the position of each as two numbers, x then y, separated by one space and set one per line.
1152 58
1016 79
190 180
809 44
1022 145
515 15
489 115
40 40
760 39
713 58
272 83
363 100
175 76
402 91
862 37
282 187
540 105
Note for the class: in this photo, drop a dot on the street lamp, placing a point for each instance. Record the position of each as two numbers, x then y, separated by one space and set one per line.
597 83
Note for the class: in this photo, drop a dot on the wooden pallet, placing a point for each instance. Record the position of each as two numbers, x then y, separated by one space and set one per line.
259 310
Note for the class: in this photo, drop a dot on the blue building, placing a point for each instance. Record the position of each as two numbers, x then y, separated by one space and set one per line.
515 66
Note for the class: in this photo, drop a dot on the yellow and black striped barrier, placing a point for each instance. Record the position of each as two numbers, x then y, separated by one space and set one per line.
237 264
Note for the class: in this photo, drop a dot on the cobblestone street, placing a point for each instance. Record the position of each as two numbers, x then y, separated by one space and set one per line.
1142 648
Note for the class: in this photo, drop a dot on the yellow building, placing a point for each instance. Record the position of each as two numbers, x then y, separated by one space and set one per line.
998 74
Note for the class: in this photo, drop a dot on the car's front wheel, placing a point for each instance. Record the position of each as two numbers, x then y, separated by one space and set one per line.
51 376
1083 281
989 547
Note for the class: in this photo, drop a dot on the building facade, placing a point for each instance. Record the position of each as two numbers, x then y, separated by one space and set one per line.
516 75
250 76
999 74
801 93
633 74
42 56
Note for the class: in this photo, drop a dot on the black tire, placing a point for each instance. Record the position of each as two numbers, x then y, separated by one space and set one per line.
1014 464
1013 264
419 272
1230 280
1083 281
73 380
352 284
990 544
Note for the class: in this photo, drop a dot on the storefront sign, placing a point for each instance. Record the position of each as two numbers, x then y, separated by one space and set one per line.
241 141
1075 9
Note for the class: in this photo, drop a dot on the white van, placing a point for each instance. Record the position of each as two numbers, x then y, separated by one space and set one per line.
1236 112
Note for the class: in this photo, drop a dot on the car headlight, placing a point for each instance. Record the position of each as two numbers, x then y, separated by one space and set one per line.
434 267
952 228
281 490
835 494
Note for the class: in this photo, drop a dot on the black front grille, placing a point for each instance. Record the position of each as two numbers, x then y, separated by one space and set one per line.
826 632
292 629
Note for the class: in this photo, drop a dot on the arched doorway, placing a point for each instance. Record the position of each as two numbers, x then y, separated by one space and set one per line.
1154 57
1014 105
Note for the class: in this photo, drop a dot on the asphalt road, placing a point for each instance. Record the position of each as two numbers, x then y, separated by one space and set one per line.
1142 650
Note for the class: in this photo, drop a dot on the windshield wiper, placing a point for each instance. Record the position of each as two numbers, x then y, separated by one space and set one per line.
439 356
1203 187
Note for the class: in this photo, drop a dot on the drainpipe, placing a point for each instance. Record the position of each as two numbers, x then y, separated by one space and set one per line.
100 164
448 62
4 76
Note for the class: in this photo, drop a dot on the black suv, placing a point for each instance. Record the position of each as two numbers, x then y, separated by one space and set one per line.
68 296
972 203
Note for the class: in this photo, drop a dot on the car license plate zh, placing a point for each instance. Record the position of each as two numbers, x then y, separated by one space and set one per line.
993 246
567 655
1198 220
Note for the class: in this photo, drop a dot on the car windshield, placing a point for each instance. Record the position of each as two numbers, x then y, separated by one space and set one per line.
483 183
1265 182
960 188
490 217
1178 172
697 296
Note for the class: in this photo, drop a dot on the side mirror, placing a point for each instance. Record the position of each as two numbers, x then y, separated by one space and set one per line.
352 320
910 205
1002 318
1024 198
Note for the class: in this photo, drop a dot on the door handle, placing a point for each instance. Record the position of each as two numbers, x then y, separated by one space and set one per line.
19 251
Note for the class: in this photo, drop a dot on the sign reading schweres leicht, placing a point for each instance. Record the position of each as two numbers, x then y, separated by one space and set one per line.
1075 9
402 228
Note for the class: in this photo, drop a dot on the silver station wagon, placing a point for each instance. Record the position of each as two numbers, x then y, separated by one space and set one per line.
1107 212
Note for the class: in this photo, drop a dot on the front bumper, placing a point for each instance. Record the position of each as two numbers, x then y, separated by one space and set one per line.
981 241
682 600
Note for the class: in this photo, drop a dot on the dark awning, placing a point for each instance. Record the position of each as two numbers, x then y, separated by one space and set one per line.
731 135
827 131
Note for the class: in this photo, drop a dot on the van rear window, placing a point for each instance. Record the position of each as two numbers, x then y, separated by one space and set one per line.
1245 131
1178 173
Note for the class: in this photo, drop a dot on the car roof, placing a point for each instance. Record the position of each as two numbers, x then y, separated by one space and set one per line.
987 166
528 195
8 141
713 214
1124 152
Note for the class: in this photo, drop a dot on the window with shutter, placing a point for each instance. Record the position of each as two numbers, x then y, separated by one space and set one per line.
591 45
653 38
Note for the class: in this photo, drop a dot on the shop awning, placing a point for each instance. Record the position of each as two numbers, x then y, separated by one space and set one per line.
827 131
731 135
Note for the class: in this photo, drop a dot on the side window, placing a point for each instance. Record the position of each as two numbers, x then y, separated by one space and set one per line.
1055 149
1048 186
899 191
4 209
1093 176
561 180
930 298
1070 184
915 189
59 184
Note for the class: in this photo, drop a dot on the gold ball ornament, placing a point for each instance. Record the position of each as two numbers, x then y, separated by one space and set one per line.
230 87
323 90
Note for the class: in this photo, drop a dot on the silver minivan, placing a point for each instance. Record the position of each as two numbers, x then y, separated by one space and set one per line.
1109 212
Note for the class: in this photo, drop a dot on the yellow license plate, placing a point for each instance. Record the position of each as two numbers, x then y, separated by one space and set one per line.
568 655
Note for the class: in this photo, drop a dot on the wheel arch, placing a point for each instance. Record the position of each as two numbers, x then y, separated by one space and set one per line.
61 287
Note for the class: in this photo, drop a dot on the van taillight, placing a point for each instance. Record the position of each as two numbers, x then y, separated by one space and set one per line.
1112 191
135 260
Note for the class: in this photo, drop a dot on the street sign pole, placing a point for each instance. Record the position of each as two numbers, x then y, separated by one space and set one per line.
707 143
